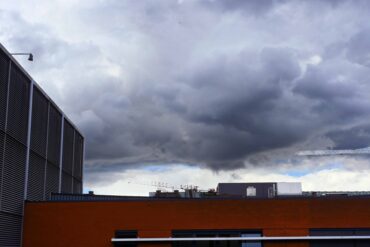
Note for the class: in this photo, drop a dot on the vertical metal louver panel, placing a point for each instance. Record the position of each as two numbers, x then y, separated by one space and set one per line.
10 230
54 138
4 71
52 180
67 181
19 92
39 122
36 177
2 136
13 176
78 156
77 186
68 147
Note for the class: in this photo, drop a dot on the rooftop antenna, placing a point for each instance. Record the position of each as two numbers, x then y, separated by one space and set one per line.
164 185
188 187
158 185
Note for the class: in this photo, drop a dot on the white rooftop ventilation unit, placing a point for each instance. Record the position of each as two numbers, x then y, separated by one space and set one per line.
289 188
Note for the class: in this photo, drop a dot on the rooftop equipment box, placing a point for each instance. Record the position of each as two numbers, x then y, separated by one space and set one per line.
289 188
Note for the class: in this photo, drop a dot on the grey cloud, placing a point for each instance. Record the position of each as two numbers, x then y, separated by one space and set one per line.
182 82
261 7
252 6
216 129
337 91
351 138
359 48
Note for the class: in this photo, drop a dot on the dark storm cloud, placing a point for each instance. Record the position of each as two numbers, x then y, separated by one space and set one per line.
239 106
197 82
228 110
351 138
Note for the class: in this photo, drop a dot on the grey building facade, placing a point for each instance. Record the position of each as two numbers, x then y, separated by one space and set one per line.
41 152
261 190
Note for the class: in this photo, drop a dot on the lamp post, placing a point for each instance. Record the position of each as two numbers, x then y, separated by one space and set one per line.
30 55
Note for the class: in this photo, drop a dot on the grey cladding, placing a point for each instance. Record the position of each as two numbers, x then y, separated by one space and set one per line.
36 180
4 70
30 148
39 127
2 139
10 229
54 135
52 180
68 141
78 156
18 105
13 177
77 186
67 181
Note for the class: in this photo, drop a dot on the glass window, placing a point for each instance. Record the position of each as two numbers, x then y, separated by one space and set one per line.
214 234
254 243
125 234
339 232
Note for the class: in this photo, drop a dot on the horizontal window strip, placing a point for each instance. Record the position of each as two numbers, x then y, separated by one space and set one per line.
290 238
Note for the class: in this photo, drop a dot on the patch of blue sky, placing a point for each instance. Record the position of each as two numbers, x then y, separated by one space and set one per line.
298 173
155 168
86 190
162 167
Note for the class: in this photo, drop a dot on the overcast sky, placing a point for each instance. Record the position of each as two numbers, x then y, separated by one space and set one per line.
204 91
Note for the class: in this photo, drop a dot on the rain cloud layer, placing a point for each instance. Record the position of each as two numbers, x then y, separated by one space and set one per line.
218 84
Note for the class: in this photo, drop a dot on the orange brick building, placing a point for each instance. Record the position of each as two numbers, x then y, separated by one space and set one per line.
95 223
